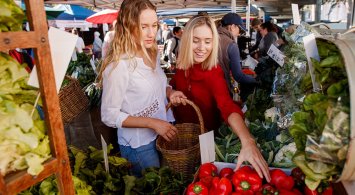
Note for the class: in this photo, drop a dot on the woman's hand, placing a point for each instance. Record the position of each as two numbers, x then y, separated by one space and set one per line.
163 128
251 153
177 98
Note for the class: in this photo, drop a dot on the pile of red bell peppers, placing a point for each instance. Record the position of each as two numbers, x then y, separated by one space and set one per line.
246 181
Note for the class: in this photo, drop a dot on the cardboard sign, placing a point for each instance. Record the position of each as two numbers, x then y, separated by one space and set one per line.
207 145
296 14
62 46
104 148
311 49
276 55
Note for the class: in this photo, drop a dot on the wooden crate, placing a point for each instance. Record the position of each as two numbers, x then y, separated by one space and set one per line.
59 164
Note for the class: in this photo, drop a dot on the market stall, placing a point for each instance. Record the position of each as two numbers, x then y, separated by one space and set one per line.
303 125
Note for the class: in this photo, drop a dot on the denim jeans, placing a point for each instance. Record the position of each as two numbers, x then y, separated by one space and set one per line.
141 157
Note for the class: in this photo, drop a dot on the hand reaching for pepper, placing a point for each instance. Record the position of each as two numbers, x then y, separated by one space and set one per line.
251 153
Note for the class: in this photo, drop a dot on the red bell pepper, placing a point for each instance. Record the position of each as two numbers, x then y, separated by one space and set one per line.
281 180
268 189
207 181
246 181
328 191
226 172
289 192
325 188
197 189
207 169
248 71
308 191
298 177
221 186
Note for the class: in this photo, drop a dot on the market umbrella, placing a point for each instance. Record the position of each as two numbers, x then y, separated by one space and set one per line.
73 12
104 16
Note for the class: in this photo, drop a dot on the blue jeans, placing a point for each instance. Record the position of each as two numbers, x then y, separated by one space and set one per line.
141 157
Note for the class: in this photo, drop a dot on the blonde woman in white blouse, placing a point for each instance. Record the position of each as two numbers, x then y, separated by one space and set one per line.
135 88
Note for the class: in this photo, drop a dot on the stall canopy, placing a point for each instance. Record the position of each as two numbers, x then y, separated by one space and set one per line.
51 12
74 12
270 7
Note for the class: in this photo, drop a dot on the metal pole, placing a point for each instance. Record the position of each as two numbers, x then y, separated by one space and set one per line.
248 19
234 6
318 11
351 17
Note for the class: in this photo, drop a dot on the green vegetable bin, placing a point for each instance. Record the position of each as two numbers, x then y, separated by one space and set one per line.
346 45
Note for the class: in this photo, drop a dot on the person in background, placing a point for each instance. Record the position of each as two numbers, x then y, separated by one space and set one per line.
159 36
172 47
229 57
201 79
108 38
166 33
255 25
269 37
79 46
135 87
97 45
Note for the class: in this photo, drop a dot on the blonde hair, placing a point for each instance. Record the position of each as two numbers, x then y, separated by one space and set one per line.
127 30
185 60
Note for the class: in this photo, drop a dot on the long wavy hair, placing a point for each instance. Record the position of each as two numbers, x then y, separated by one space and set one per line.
127 39
185 60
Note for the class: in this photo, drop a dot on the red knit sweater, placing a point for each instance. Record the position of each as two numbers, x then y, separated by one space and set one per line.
208 90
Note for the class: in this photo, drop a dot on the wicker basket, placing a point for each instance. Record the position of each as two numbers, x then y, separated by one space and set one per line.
73 100
182 154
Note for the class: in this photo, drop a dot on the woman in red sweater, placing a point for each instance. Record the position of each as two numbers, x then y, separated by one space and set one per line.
200 78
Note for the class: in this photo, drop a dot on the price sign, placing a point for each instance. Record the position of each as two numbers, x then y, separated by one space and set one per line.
276 55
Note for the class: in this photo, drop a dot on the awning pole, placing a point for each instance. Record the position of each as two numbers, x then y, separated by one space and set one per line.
248 19
234 6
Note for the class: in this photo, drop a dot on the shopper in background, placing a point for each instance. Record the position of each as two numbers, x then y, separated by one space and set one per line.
135 87
108 38
269 37
80 45
97 45
166 33
255 25
172 47
229 57
201 79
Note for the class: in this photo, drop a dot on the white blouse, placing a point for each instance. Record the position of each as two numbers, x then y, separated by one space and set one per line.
133 89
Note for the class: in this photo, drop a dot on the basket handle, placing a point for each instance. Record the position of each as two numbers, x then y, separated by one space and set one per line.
198 112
